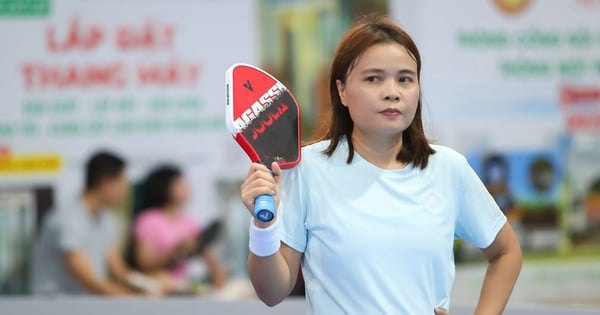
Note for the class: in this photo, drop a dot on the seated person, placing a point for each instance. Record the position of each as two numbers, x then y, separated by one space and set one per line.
164 237
77 249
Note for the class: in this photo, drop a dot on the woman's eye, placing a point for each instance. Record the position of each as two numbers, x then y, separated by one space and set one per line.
405 79
372 78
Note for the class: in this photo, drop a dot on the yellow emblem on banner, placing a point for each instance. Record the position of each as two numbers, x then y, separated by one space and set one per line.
29 164
512 6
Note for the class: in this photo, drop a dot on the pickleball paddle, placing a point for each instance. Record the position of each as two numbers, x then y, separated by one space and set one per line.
264 118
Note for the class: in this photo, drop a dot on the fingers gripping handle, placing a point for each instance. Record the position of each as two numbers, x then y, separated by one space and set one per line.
264 208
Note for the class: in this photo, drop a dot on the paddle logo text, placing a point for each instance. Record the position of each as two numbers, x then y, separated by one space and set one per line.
273 116
264 102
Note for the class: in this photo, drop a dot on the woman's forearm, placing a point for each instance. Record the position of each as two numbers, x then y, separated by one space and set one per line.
270 277
498 284
273 277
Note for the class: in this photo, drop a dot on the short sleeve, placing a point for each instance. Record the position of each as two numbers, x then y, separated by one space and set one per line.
292 210
479 218
71 231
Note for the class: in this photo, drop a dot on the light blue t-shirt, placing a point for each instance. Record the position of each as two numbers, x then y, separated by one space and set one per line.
380 241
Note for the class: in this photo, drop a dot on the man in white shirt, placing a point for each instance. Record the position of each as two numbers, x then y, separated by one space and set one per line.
77 249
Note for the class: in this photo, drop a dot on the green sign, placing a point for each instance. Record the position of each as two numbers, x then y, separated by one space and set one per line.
24 8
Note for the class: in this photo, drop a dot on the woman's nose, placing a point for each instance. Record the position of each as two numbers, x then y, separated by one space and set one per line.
391 92
392 97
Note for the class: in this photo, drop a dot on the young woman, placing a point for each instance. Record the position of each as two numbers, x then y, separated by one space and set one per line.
164 237
372 211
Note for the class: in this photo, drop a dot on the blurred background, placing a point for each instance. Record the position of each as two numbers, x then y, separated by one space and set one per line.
514 85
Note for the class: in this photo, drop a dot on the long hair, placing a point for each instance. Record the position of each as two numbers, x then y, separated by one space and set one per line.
366 33
155 191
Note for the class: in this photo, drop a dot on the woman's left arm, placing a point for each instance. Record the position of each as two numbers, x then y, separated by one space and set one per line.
505 260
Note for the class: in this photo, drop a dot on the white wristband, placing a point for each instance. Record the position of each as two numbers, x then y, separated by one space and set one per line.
264 242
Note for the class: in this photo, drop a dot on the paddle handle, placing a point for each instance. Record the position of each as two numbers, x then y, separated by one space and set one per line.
264 208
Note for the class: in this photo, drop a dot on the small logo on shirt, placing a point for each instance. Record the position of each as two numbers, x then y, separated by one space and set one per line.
434 203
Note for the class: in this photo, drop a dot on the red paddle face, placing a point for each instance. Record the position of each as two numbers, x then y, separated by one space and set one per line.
263 116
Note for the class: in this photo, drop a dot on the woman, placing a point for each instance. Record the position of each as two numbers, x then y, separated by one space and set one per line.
164 237
372 210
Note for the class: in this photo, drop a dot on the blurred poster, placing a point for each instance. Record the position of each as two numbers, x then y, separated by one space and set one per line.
142 78
584 183
515 85
21 211
528 187
17 221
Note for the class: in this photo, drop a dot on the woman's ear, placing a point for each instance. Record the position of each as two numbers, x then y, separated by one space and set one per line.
341 88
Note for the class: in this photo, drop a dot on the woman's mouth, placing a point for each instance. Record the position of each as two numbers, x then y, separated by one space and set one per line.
391 112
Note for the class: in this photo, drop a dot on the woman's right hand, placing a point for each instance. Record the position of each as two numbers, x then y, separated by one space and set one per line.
261 182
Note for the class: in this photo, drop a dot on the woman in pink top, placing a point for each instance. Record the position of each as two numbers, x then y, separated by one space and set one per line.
164 237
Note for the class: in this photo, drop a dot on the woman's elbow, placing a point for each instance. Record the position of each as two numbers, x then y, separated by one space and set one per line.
268 293
270 300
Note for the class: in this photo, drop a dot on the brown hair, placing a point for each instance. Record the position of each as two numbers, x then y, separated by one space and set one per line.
364 34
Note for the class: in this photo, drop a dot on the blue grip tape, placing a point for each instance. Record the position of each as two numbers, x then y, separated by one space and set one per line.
264 208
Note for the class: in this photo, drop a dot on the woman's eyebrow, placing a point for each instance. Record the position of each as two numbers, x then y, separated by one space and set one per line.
407 71
373 71
381 71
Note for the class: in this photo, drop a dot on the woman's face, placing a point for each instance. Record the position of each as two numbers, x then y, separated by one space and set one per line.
179 191
382 90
